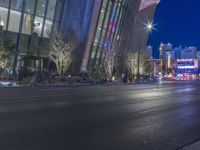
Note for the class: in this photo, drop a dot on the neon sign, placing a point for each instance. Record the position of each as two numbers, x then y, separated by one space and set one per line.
186 67
185 60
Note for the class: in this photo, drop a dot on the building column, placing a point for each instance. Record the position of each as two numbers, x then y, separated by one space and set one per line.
91 35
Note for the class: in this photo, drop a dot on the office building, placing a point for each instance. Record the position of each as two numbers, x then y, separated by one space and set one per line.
148 53
98 25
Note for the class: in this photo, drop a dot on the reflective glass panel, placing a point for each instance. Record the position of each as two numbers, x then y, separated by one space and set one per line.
30 5
16 4
51 9
41 4
14 21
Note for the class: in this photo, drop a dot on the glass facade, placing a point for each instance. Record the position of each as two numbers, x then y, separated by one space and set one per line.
109 29
30 22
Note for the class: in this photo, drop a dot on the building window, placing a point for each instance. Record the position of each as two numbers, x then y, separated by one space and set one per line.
58 12
4 3
34 46
47 28
38 23
14 21
30 5
16 4
104 3
41 5
23 44
44 47
94 51
51 9
27 24
3 17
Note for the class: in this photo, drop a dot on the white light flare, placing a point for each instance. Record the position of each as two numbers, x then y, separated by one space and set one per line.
149 27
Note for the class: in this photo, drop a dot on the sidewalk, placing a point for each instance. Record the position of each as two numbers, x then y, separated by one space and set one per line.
13 84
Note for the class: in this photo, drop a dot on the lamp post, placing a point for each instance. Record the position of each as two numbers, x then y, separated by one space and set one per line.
148 28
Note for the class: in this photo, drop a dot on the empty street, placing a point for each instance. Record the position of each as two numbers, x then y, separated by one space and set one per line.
124 117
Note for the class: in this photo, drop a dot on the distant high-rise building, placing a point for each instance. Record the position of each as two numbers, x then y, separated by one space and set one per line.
198 55
177 52
173 55
148 53
189 53
165 49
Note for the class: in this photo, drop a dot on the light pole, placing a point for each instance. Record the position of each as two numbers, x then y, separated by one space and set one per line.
148 28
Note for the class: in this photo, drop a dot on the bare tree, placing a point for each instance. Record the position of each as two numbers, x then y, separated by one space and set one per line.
61 52
132 60
132 63
110 57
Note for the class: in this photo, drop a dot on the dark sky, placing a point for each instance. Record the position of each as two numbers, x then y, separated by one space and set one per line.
177 22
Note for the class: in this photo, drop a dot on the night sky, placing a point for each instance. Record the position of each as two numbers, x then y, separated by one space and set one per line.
177 22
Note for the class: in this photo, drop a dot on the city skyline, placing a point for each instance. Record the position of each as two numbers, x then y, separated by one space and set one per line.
175 24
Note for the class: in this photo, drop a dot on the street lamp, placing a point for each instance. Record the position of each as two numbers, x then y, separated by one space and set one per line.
148 28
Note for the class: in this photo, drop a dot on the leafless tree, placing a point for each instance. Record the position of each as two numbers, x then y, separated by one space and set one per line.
110 60
61 52
132 63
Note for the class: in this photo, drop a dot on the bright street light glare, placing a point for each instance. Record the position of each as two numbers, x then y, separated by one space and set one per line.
149 26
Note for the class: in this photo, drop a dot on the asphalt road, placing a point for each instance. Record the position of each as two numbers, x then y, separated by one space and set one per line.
133 117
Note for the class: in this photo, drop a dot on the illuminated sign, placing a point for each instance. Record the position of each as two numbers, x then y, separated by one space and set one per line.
186 67
185 60
187 63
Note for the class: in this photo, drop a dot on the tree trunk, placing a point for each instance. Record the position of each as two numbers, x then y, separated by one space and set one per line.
15 65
